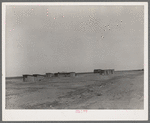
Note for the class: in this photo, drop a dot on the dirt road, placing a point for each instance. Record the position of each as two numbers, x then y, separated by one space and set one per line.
122 90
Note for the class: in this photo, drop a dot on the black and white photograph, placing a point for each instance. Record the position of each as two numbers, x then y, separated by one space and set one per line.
75 57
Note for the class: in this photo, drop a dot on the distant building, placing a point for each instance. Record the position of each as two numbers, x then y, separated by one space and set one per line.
28 78
33 78
97 70
38 77
65 74
104 72
49 74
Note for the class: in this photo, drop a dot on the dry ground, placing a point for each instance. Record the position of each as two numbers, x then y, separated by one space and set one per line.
122 90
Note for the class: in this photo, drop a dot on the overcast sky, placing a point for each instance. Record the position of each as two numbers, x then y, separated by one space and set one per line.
42 39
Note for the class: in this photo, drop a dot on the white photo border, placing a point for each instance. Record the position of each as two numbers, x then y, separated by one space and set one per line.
71 115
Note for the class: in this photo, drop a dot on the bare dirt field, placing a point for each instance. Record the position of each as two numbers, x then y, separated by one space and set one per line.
121 90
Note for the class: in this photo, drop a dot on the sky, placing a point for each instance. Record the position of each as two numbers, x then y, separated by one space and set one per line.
42 39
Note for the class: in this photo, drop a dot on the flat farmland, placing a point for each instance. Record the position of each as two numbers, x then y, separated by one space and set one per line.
121 90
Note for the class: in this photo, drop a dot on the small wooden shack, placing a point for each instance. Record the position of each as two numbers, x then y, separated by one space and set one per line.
63 74
33 78
28 78
38 77
49 74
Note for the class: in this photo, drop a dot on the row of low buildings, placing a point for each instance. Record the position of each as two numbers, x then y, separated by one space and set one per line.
104 72
61 74
33 78
39 77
